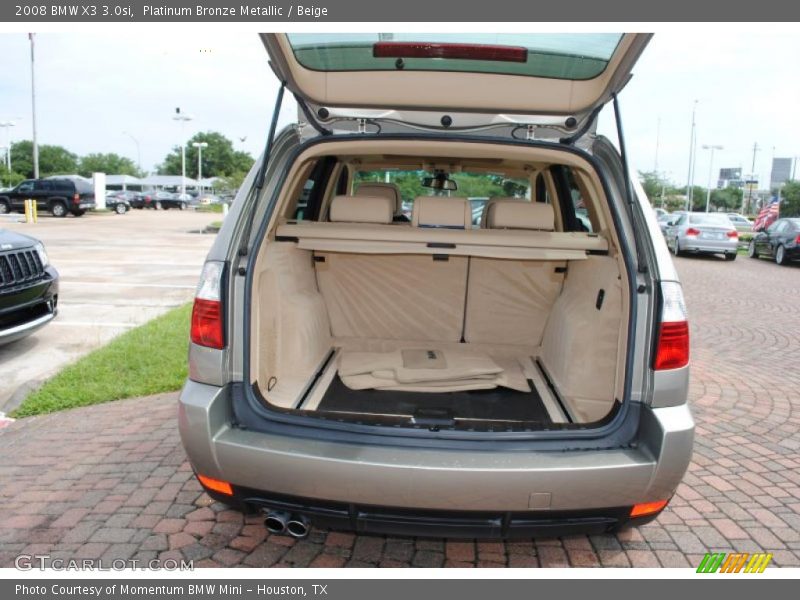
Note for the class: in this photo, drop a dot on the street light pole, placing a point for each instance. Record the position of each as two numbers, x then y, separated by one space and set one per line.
33 112
199 146
182 118
8 125
692 148
711 147
138 151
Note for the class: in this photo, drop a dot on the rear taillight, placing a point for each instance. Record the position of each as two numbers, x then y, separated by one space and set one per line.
692 231
733 234
672 345
207 315
449 50
76 198
797 239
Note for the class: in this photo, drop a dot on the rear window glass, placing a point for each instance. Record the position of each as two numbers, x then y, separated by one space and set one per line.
476 187
710 219
559 56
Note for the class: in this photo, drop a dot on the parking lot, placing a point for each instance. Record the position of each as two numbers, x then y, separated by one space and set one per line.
111 481
117 271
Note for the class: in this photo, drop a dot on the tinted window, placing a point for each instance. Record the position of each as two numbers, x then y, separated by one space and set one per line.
561 56
25 186
710 219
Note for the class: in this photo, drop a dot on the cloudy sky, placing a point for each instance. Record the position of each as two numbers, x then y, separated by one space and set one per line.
93 87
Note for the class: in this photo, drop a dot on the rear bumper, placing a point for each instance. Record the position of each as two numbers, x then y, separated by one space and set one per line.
710 246
390 489
402 521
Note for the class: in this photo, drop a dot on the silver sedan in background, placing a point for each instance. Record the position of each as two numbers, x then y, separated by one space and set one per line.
706 233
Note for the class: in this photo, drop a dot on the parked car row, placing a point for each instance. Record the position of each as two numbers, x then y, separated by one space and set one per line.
58 196
780 241
62 196
718 233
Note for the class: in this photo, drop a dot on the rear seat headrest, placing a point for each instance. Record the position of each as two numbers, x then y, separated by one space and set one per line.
389 190
361 209
441 211
515 213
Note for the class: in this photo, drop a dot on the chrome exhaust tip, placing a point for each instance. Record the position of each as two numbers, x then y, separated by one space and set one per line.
275 521
298 526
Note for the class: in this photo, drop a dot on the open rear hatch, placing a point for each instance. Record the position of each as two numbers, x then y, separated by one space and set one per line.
500 76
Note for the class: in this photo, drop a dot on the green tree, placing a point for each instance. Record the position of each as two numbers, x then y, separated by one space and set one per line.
219 157
790 199
8 178
651 184
53 160
229 183
728 199
112 164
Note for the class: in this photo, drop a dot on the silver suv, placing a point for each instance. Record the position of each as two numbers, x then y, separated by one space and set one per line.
358 367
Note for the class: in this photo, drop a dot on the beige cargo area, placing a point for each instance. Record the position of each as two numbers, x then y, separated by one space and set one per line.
498 319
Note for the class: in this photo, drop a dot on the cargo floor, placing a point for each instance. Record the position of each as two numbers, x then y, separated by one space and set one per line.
498 404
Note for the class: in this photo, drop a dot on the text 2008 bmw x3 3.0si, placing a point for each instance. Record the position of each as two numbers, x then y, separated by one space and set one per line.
439 306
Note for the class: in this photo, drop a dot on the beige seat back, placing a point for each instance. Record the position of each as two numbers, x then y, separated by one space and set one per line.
517 213
508 300
361 209
387 190
441 212
397 296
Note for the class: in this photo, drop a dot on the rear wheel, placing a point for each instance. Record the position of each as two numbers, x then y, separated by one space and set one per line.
4 208
183 206
120 209
780 255
58 209
676 250
752 252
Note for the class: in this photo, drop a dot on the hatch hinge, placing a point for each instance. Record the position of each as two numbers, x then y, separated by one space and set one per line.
530 133
362 125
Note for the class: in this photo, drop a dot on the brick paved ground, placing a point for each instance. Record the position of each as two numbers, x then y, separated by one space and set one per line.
112 481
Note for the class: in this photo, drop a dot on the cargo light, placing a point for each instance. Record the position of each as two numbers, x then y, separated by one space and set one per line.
444 50
208 328
648 508
215 485
672 345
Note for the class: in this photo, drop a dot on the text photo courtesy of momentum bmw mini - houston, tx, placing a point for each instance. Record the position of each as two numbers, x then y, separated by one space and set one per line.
324 297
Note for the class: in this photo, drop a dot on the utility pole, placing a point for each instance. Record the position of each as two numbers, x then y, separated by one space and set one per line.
690 176
33 111
752 176
711 147
658 136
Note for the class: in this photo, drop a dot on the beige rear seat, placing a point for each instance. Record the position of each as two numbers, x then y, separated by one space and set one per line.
441 212
386 190
508 301
397 296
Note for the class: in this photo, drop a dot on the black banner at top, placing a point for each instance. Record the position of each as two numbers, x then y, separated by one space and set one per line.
440 13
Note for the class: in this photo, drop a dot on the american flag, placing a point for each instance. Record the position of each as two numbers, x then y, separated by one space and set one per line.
768 215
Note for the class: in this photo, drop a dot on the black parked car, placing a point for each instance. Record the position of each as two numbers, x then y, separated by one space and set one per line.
780 241
59 196
28 286
119 202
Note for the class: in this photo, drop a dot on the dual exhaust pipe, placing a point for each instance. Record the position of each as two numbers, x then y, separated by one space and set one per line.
297 526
